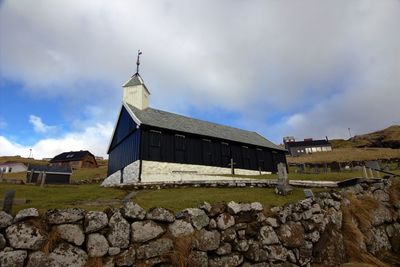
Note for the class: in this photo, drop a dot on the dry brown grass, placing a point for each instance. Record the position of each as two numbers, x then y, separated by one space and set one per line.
394 192
359 209
347 155
94 262
357 264
183 247
23 160
15 176
52 240
356 220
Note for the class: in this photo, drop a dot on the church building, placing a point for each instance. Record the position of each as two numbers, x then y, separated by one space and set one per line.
151 145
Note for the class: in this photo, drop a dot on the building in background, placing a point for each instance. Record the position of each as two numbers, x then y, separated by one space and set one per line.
75 159
297 148
12 167
53 174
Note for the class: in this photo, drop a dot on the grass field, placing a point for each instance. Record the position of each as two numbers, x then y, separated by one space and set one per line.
92 197
77 175
179 198
89 173
26 161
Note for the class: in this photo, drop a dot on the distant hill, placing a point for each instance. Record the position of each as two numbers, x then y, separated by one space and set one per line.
386 138
347 154
26 161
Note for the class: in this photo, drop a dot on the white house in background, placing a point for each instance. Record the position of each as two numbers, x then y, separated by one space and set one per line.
7 167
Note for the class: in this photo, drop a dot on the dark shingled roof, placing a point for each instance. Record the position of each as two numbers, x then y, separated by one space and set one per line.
44 168
71 156
171 121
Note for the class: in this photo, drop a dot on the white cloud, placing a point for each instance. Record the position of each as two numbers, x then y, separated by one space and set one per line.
327 61
93 138
39 126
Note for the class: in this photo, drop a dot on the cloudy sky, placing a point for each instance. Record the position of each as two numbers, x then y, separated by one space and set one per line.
306 68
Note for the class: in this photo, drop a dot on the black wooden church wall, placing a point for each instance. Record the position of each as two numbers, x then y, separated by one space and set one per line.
131 143
169 146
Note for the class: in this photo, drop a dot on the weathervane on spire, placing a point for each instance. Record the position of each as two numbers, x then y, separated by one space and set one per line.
138 61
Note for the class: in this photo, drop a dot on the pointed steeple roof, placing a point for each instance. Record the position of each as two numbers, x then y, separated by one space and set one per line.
135 80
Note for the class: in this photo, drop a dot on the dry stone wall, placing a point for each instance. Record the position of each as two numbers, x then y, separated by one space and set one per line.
223 234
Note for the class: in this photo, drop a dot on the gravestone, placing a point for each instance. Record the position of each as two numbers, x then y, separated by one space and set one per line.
8 201
308 193
325 167
365 172
283 187
357 168
373 165
301 167
386 168
335 166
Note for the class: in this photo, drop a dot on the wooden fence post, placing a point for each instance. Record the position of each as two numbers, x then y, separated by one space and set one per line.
30 176
43 179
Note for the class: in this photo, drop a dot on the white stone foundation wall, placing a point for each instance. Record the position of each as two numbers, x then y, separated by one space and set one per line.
113 179
130 175
153 171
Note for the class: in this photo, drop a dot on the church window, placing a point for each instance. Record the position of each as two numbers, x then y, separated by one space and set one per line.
155 138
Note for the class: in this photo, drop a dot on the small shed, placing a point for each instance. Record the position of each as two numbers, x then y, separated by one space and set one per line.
12 167
54 174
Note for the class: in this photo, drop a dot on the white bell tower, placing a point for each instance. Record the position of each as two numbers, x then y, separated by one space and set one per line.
135 91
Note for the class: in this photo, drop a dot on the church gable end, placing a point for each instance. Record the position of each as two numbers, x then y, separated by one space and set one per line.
125 126
124 147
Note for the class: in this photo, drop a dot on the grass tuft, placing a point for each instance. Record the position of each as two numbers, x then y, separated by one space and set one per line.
94 262
52 240
394 192
356 220
183 247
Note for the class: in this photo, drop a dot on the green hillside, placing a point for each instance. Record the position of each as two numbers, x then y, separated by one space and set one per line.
386 138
